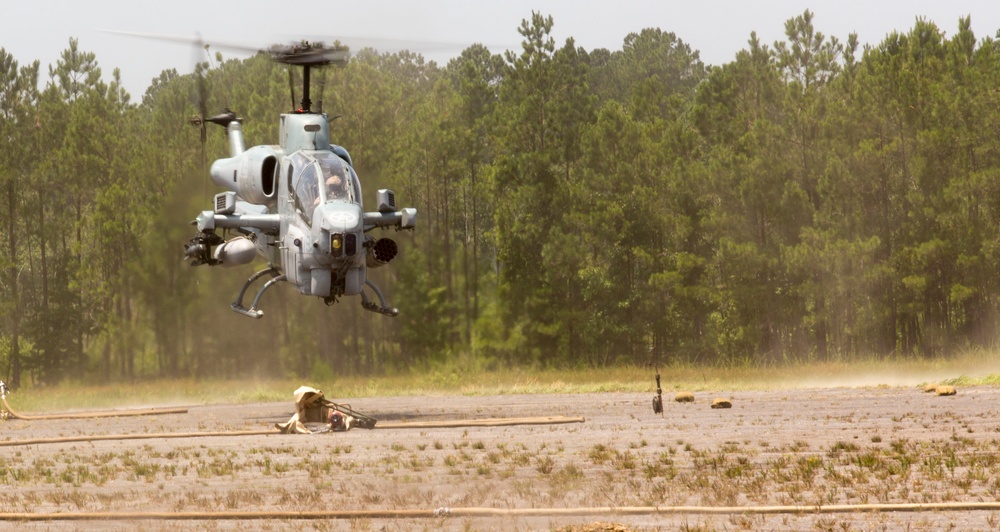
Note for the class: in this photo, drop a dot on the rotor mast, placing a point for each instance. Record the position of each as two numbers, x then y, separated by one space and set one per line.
306 102
308 55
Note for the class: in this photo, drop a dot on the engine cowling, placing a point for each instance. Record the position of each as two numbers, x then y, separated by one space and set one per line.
252 175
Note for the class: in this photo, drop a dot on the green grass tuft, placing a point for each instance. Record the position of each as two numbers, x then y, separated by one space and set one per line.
975 368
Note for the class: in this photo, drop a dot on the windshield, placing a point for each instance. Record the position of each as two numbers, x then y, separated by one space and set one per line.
312 169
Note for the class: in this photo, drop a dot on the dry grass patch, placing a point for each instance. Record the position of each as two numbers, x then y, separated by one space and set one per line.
721 402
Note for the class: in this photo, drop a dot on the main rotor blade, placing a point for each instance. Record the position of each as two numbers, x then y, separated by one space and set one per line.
393 45
302 54
197 39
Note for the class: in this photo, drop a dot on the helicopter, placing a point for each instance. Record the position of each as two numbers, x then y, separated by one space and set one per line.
297 204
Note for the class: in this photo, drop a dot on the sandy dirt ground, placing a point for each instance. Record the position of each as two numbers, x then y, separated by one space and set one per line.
812 448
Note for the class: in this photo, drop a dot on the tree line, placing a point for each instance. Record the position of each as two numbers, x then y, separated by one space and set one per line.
812 199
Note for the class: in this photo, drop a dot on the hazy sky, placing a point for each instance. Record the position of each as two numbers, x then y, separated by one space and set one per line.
717 29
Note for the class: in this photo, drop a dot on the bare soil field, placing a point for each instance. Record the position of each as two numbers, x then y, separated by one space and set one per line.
815 449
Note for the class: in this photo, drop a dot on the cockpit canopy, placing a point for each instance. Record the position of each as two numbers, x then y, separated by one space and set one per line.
319 177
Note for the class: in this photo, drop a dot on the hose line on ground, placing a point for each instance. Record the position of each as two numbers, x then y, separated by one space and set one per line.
501 422
89 415
503 512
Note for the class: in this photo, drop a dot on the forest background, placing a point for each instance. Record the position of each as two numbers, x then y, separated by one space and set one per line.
812 200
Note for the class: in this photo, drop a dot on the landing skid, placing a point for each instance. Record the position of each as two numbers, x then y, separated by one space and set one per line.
382 307
253 311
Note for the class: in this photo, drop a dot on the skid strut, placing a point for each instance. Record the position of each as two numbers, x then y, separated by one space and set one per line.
382 307
253 311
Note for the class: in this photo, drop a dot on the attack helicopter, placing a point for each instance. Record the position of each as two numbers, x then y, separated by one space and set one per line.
297 204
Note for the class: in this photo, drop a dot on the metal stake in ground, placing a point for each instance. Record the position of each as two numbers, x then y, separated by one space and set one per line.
658 400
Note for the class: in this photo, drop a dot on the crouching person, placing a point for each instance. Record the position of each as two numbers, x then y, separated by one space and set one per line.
340 421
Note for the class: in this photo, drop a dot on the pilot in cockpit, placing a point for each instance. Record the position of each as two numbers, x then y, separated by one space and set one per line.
335 187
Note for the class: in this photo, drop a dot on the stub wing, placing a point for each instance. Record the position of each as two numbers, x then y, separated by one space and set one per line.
388 216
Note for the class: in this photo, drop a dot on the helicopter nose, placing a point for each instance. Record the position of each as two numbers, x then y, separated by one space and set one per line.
342 227
340 217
